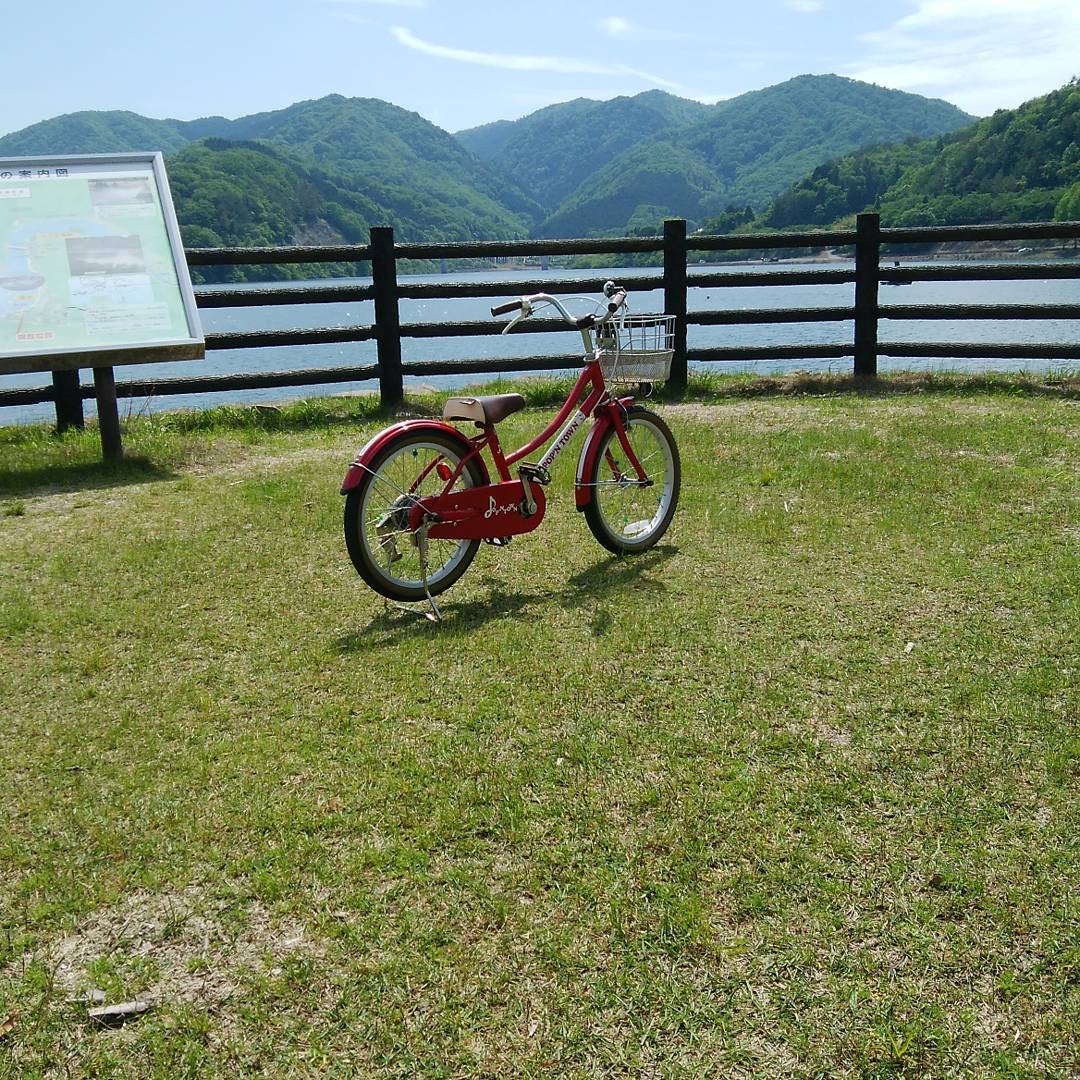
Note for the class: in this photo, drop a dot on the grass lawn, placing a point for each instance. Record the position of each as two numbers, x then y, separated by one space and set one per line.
794 794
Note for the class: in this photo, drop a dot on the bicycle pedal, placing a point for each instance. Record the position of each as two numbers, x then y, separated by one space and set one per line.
536 473
498 541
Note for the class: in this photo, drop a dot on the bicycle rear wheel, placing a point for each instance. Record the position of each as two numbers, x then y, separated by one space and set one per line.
625 515
394 560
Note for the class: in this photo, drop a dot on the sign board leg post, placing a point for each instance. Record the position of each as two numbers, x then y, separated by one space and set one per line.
108 414
68 398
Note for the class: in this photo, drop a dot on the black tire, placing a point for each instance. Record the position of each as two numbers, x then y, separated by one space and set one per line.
624 517
384 553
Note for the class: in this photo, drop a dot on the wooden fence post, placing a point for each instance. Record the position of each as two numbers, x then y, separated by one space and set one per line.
867 263
67 397
387 324
675 296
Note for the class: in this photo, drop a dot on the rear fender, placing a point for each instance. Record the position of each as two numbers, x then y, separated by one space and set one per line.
368 453
583 494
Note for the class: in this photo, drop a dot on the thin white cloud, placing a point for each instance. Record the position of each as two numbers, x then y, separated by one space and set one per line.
616 26
980 54
806 6
513 62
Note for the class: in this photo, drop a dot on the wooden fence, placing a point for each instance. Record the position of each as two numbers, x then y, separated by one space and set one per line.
867 241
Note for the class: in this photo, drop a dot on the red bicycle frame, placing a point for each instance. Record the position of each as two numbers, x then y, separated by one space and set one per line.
597 403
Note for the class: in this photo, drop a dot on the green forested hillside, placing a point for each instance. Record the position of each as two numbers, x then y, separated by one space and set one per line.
251 195
1068 207
846 185
669 180
369 158
488 140
1012 166
95 133
552 152
746 150
759 142
404 161
1017 165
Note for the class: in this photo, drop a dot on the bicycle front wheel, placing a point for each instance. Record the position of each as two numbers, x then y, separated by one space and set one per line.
395 561
624 514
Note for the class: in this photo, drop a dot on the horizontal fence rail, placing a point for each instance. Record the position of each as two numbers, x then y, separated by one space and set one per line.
555 286
980 311
263 256
674 279
496 249
333 294
983 272
209 384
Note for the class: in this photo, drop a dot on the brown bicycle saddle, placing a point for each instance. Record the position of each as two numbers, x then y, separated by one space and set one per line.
484 410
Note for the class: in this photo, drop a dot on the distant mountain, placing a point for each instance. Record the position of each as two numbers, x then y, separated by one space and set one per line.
107 133
402 159
747 150
488 140
1017 165
645 184
1012 166
402 169
325 171
248 194
550 153
845 186
251 194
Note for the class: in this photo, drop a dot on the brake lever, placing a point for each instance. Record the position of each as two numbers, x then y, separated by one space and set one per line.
524 313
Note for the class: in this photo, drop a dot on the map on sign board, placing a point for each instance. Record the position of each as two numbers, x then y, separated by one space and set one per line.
92 269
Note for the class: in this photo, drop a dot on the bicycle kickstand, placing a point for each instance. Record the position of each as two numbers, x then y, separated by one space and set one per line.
434 615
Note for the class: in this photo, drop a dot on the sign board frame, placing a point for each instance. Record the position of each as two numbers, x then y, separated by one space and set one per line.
189 346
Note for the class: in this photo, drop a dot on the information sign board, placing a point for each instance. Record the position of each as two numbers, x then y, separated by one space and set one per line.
92 268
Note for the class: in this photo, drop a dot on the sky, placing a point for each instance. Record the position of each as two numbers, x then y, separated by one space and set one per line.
461 63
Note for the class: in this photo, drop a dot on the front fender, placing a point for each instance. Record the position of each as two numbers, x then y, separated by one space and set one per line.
370 451
583 494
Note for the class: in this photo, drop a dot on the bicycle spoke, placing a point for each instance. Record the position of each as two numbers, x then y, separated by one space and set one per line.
643 460
378 478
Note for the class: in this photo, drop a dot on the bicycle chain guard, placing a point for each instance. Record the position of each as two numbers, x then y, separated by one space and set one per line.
479 513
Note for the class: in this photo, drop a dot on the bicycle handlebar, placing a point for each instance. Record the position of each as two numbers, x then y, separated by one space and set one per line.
616 298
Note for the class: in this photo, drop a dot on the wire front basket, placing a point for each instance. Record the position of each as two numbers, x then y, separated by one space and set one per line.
637 348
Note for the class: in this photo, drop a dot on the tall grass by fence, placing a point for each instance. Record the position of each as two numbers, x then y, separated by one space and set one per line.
383 254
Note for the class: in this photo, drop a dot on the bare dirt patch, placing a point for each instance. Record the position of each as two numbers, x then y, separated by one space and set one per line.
248 459
826 733
192 948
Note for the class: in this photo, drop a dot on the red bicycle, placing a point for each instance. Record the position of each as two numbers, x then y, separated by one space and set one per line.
420 497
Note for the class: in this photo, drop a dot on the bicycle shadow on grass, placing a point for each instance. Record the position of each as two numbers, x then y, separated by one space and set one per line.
611 575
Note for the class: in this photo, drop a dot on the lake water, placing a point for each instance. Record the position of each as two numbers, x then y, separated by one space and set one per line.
348 355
